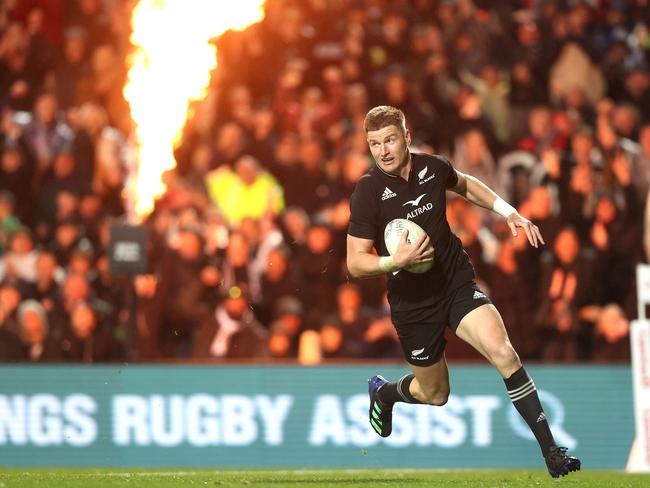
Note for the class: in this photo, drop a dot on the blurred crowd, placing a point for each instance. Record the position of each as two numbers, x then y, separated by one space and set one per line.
547 102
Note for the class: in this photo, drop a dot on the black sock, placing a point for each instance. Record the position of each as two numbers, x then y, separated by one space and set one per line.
397 391
523 393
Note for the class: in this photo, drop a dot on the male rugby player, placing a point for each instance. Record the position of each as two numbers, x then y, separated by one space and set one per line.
413 186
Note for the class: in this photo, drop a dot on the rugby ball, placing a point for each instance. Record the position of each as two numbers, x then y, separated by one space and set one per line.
393 234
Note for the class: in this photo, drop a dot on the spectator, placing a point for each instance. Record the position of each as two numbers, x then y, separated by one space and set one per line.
309 348
59 195
10 347
493 91
182 294
17 169
641 163
616 237
9 301
20 74
105 286
19 263
526 92
351 319
90 214
309 187
234 332
104 83
637 91
320 274
72 66
472 155
541 134
108 184
542 207
34 333
286 327
567 287
47 136
45 288
87 338
248 191
573 69
519 171
332 342
66 240
612 329
200 164
91 15
295 223
9 223
279 279
97 146
239 268
380 340
625 120
231 144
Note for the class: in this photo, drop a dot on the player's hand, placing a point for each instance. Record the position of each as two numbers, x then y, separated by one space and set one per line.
533 234
421 251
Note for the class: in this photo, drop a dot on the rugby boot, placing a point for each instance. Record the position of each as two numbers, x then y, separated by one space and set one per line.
380 414
559 463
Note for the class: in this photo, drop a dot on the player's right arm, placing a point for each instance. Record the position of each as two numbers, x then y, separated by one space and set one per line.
364 220
362 263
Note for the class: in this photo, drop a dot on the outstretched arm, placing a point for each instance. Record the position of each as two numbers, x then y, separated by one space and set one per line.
477 192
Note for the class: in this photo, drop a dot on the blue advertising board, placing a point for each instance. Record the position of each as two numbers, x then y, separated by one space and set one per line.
292 416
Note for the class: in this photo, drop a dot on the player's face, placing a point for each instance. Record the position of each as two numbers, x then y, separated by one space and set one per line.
389 147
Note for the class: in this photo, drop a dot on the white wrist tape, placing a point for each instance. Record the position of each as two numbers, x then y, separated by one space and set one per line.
387 264
503 208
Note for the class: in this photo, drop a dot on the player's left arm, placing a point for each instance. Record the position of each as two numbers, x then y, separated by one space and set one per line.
477 192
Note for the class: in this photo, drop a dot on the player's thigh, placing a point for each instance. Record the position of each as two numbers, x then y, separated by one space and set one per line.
484 330
432 379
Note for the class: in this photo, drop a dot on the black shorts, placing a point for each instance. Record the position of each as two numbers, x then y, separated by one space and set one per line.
423 342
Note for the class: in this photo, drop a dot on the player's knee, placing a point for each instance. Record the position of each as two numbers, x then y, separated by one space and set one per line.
504 355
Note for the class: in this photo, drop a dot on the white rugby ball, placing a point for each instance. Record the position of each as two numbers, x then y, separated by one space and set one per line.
393 234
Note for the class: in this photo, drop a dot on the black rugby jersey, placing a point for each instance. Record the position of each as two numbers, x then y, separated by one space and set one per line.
380 197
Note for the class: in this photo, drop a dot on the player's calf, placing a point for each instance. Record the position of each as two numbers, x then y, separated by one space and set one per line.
432 396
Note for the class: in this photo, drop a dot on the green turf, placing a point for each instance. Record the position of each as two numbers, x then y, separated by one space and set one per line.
43 478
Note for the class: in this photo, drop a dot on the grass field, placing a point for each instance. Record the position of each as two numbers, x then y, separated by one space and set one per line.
43 478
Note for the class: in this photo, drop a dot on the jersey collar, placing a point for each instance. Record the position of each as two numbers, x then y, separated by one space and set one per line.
410 156
387 174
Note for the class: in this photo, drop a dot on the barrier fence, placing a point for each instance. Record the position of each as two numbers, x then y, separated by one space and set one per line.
291 416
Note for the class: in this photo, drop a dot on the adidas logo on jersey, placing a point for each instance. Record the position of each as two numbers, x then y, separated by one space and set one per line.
388 193
478 294
542 416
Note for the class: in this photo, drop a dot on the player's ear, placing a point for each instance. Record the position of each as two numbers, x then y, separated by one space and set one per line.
407 136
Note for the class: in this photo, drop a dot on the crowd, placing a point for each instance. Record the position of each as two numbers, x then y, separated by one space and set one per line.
546 102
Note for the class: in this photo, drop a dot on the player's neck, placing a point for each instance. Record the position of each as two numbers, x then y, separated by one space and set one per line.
406 170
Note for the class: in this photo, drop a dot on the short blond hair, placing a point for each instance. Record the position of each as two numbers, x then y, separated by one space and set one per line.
384 116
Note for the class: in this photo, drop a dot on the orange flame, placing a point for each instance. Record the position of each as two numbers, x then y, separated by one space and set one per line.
169 68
